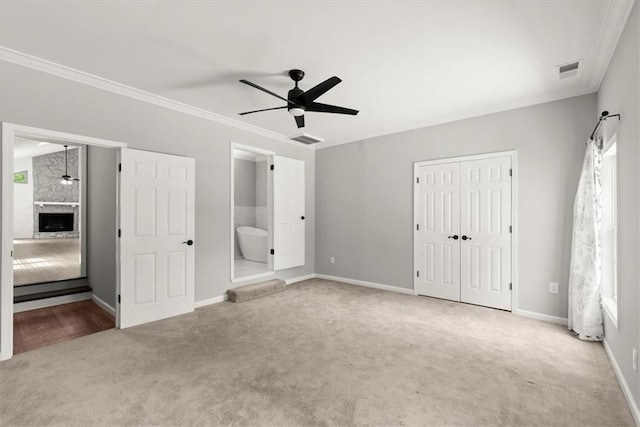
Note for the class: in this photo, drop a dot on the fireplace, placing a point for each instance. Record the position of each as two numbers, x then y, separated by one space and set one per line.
55 222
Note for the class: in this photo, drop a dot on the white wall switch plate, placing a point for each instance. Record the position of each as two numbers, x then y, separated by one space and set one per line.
553 287
332 260
634 355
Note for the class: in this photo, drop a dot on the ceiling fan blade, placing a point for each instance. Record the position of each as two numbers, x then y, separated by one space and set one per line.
326 108
300 121
247 82
315 92
264 109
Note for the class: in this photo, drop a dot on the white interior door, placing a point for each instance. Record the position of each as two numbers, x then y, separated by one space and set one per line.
485 232
436 233
288 213
157 215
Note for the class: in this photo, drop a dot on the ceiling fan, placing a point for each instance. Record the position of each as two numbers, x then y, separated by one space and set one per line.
66 178
298 100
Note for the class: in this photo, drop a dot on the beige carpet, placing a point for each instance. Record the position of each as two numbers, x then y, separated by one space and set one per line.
320 353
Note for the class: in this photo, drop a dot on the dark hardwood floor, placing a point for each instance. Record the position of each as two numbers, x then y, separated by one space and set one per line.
45 326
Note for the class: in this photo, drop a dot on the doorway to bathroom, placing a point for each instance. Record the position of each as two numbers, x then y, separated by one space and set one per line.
267 221
251 213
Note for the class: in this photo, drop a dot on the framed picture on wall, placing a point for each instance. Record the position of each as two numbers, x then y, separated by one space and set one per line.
20 177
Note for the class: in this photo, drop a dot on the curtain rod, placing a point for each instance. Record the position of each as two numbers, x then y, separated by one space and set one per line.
603 117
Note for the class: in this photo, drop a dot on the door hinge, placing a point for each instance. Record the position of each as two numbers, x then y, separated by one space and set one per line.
418 273
510 172
273 251
119 232
510 286
118 298
417 226
510 229
119 167
11 254
417 180
273 167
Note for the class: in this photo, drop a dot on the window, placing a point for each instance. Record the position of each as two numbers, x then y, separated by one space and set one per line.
609 233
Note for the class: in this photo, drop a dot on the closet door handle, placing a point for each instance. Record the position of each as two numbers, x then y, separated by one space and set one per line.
454 237
466 238
302 217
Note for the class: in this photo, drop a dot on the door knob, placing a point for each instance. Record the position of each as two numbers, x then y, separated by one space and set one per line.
466 238
302 217
188 242
454 237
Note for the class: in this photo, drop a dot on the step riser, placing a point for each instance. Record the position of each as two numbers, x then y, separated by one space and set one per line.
51 286
256 290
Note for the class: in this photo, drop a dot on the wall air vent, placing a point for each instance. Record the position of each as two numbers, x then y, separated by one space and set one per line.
305 138
568 70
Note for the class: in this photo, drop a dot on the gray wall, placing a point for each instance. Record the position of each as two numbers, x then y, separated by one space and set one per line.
244 186
101 223
619 93
364 195
244 183
262 192
37 99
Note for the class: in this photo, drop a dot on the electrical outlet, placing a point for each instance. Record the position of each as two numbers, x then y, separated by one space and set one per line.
634 355
332 260
553 287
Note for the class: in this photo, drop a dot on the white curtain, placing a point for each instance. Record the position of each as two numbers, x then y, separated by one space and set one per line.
585 317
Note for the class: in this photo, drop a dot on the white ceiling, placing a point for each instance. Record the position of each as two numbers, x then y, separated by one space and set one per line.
25 148
404 65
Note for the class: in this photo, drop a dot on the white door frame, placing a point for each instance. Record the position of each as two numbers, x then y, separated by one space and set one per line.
513 154
9 132
232 231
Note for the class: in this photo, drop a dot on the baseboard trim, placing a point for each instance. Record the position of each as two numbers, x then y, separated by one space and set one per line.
299 279
623 383
103 305
209 301
366 284
540 316
50 302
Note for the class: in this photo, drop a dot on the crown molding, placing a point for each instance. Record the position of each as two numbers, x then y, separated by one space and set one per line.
611 28
58 70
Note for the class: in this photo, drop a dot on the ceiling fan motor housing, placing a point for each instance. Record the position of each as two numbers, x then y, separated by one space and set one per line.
296 75
295 109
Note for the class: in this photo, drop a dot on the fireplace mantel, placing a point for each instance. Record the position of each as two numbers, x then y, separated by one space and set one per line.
57 203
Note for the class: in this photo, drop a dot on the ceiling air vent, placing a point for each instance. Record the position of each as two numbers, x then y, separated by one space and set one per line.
305 138
568 70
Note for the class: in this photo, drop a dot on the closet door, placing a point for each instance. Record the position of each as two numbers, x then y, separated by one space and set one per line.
485 242
437 253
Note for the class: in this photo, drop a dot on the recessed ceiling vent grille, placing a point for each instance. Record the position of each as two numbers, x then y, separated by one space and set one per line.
568 70
305 138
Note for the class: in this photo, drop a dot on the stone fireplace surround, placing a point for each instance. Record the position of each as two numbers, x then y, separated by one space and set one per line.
52 207
50 196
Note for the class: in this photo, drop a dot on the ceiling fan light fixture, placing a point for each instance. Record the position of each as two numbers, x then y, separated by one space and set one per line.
296 111
66 178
